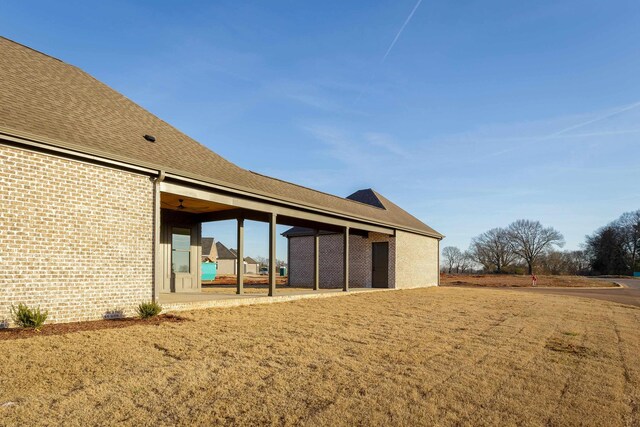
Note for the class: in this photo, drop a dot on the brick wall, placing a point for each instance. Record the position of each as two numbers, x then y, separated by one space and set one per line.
416 260
331 253
413 260
75 238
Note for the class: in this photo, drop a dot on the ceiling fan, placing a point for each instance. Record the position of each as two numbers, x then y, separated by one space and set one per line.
181 206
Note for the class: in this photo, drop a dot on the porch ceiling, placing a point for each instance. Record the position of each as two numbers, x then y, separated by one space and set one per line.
190 204
214 206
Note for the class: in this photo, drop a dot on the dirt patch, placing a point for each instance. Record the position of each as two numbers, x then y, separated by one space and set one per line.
95 325
521 281
559 345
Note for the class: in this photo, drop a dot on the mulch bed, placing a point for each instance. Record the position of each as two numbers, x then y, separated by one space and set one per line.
94 325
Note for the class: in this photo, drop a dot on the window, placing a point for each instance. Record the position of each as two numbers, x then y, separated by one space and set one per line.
180 250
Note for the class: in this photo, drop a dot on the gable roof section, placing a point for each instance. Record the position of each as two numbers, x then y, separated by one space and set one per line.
250 260
224 252
368 197
207 243
50 101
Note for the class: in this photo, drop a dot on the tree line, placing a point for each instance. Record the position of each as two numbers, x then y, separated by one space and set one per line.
526 246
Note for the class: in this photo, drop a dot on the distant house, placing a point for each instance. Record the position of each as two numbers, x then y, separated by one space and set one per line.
227 259
209 250
251 266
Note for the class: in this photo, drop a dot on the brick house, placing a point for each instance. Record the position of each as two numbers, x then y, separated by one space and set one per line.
228 261
84 170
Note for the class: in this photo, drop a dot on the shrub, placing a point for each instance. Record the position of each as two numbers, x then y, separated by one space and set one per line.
26 317
149 309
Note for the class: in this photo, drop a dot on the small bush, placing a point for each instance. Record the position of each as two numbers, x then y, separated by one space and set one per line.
26 317
149 309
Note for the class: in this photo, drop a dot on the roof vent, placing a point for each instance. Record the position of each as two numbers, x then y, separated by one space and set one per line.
150 138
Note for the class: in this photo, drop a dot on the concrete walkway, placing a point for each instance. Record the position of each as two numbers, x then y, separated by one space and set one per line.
200 300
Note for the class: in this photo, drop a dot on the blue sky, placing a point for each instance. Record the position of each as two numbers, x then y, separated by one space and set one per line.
480 113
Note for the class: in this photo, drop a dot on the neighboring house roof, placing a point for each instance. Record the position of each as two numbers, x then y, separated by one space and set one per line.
207 244
224 252
51 102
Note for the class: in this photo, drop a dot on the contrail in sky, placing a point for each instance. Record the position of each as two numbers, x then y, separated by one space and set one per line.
595 119
393 43
406 21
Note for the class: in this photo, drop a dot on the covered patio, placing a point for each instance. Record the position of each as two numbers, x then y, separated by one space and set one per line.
180 211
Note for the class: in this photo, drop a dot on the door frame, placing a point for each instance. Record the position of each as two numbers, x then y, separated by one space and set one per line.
168 276
375 245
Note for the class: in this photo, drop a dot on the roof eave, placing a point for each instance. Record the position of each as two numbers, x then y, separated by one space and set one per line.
71 149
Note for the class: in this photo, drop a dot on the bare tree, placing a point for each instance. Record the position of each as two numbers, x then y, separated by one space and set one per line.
529 239
493 250
465 263
578 262
451 256
629 227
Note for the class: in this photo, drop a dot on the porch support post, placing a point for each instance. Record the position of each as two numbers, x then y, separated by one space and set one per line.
316 260
240 259
345 286
272 254
157 247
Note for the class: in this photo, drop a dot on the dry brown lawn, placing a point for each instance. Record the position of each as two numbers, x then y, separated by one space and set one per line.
440 356
517 280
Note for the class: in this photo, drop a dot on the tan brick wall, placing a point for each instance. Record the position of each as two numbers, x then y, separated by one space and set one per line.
416 260
331 253
75 238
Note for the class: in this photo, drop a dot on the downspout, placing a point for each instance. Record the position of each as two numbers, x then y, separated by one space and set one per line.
439 240
157 248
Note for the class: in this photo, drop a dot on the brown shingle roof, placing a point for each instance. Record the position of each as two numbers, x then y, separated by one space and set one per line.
224 252
207 244
48 99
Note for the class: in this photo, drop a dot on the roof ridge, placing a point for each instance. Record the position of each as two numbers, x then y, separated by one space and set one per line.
313 189
375 194
36 50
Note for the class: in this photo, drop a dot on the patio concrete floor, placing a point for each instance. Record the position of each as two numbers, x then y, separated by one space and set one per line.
200 300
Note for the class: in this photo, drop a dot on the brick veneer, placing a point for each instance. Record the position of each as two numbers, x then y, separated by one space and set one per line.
416 260
413 260
331 269
75 238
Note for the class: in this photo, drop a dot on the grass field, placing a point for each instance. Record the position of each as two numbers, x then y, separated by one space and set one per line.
440 356
518 280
